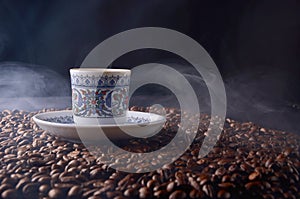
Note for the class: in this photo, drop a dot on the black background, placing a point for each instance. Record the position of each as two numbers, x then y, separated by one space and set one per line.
255 44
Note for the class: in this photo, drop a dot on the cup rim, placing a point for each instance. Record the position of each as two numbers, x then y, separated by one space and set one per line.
109 70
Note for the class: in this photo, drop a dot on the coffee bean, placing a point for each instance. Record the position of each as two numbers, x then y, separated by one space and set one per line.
232 168
44 188
178 195
268 196
196 194
75 192
226 178
208 190
67 179
4 187
98 197
223 194
64 187
248 159
89 193
170 186
22 182
253 185
56 193
144 192
193 183
224 161
129 192
96 173
30 188
111 194
103 190
203 180
245 167
254 176
287 151
11 194
161 194
226 185
220 171
9 180
35 161
160 187
151 184
44 179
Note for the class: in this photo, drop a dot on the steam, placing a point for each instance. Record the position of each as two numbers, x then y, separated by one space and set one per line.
254 96
32 87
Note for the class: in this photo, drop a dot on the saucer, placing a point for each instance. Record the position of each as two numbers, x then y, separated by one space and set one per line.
137 124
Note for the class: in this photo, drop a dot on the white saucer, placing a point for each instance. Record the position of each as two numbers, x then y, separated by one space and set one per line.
138 124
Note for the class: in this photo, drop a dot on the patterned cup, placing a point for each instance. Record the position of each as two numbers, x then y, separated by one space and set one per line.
99 96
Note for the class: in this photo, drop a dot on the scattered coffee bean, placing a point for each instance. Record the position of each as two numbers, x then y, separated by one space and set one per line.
144 192
178 195
75 192
11 194
246 161
56 194
44 188
223 194
31 190
253 176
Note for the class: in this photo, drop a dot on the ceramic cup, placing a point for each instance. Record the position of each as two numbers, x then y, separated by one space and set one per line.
99 96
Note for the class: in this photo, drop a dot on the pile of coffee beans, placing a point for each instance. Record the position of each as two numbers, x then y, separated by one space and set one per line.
248 161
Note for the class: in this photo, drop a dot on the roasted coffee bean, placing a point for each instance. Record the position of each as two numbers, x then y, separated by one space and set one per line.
70 179
248 160
208 190
11 194
245 167
44 179
111 194
129 192
226 185
193 183
151 184
196 194
22 182
178 195
56 193
103 190
75 192
170 186
144 192
226 178
97 197
30 189
223 194
4 187
180 178
253 185
232 168
203 180
9 180
160 194
89 193
253 176
44 188
220 171
96 173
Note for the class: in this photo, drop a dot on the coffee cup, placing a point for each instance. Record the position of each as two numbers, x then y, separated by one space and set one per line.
99 96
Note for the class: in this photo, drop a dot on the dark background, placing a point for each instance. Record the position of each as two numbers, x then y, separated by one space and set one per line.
255 44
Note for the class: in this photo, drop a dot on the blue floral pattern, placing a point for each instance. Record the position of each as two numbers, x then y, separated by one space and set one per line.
104 97
100 81
69 120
